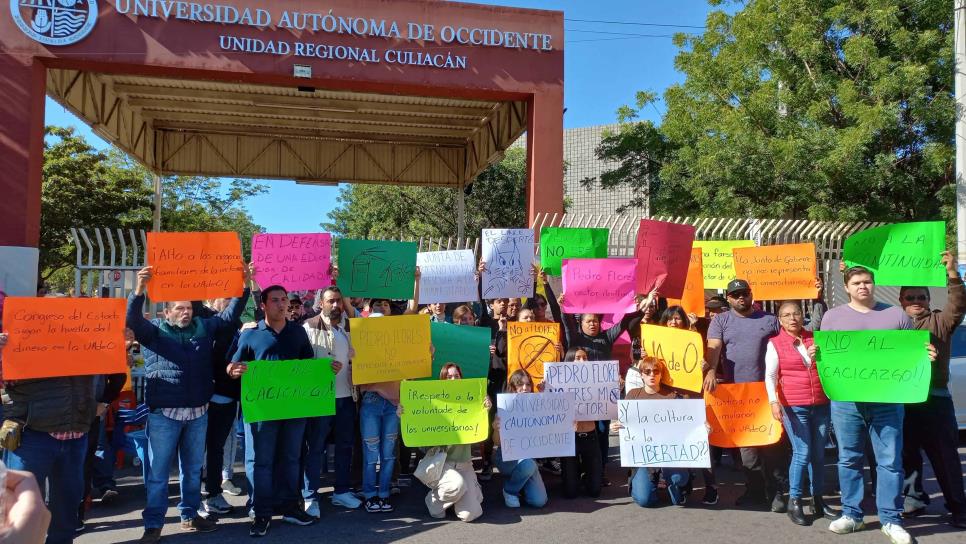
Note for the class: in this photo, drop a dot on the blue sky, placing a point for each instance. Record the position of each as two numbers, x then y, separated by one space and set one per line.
604 68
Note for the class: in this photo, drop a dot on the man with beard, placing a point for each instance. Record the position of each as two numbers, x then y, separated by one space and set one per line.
328 333
737 339
931 426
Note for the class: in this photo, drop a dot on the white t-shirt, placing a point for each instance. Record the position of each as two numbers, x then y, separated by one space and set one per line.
333 341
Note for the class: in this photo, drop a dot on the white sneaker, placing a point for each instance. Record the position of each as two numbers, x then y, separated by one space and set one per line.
312 508
229 487
217 505
511 501
251 513
845 525
346 500
897 534
912 506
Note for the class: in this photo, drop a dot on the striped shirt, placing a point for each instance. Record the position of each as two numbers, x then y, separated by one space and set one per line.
69 435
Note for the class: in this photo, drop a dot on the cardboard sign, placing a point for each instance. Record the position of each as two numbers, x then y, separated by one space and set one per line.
591 385
692 300
377 269
535 425
740 416
443 412
194 265
663 251
530 345
901 254
390 348
297 262
599 285
783 272
682 352
273 390
464 345
663 433
874 366
63 337
508 254
717 259
559 243
447 276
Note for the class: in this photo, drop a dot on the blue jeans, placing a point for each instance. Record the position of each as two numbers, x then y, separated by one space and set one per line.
807 428
882 423
103 468
166 437
379 426
275 447
316 432
60 462
522 476
644 485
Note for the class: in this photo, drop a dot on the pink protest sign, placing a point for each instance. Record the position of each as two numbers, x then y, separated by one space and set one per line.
297 262
663 251
598 285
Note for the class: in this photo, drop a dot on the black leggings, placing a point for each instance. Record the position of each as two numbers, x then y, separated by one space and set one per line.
584 467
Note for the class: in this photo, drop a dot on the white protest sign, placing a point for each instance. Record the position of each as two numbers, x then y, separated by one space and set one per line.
663 433
591 385
535 425
447 276
508 254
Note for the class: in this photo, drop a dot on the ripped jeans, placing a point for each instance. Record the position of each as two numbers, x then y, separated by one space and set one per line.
379 426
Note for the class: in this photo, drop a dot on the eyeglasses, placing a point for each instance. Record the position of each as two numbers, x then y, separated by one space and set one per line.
650 371
793 314
915 298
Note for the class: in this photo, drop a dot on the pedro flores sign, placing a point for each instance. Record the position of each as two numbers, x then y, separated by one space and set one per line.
64 22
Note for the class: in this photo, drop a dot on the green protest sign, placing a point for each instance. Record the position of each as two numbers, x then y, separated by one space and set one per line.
901 254
288 389
377 268
874 366
464 345
248 315
443 412
559 243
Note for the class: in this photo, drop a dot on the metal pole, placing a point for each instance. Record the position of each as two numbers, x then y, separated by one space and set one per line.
461 210
959 36
156 226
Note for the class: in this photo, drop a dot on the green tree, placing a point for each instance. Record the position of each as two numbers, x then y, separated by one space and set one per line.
497 200
829 109
84 187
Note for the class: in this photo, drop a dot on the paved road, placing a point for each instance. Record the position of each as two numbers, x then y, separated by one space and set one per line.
611 518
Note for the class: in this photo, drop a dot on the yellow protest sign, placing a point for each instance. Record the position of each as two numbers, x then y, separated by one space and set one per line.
390 348
443 412
529 345
682 352
718 260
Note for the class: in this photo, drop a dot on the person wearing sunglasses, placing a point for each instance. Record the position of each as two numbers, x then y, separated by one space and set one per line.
931 425
645 481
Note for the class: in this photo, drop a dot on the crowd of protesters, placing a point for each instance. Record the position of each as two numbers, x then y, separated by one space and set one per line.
195 354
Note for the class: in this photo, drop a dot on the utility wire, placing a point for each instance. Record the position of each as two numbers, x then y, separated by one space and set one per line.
621 33
634 23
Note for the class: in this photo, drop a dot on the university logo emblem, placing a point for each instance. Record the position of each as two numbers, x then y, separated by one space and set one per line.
55 22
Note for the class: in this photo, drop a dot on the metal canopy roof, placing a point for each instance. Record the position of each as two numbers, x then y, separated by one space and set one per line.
225 129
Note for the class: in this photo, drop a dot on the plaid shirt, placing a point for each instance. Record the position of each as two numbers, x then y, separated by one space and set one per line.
69 435
184 414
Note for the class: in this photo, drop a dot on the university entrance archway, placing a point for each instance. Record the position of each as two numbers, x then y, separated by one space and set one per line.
412 92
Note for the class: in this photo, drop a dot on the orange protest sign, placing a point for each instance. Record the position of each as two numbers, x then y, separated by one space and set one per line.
682 352
740 416
63 337
693 298
195 265
529 345
780 272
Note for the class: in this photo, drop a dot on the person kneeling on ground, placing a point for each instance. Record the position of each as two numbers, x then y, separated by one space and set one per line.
457 486
522 475
644 481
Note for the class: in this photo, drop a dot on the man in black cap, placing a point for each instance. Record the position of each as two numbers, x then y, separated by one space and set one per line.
736 340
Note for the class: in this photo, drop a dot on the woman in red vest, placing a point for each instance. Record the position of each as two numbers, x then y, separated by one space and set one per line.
797 399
